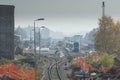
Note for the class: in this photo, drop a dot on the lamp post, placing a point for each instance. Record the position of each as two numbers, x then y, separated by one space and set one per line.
40 39
35 44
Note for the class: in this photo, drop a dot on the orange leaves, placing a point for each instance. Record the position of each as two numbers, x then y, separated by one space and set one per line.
81 62
104 69
94 58
17 72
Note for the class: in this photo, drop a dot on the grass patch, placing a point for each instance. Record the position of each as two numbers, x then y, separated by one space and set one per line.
40 69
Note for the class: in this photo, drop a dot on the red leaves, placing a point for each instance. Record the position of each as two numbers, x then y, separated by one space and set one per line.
17 72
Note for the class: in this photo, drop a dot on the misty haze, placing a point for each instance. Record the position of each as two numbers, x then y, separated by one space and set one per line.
59 40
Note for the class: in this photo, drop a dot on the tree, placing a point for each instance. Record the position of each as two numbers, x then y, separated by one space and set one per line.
107 37
21 31
18 50
89 36
69 58
117 37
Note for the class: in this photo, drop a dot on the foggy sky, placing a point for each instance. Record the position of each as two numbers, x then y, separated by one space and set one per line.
67 16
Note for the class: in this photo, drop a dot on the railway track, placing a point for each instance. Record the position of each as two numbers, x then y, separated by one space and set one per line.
54 70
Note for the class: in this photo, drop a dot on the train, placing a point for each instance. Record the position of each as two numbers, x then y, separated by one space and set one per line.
76 47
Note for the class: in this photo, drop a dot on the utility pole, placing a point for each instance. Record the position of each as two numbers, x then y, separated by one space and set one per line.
36 60
103 9
30 43
39 43
103 24
40 40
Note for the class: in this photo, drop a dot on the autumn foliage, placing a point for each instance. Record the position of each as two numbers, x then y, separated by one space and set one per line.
16 72
107 37
81 62
94 59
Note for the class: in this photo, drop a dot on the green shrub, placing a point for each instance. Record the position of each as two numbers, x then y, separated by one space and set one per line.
19 56
4 61
106 60
40 69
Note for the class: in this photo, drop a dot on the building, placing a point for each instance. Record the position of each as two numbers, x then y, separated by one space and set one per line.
77 38
7 31
17 40
45 33
67 39
45 37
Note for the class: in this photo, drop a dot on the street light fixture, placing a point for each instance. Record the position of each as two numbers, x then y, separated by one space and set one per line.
39 19
35 44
